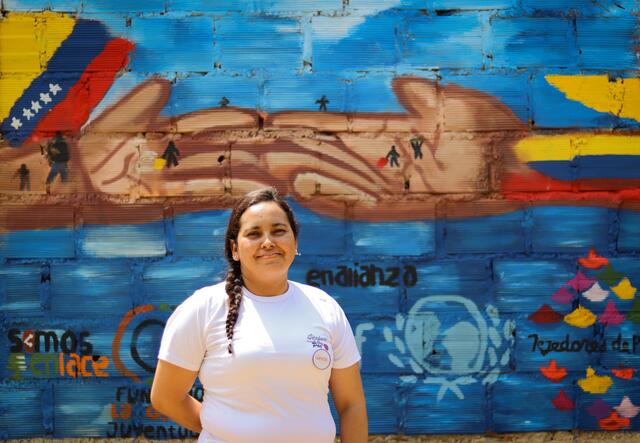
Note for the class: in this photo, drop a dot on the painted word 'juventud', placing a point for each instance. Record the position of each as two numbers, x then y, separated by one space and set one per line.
157 432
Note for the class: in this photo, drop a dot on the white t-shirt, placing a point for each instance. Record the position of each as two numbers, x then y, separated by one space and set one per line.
274 388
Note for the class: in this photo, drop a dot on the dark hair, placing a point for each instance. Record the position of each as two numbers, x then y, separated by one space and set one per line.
234 274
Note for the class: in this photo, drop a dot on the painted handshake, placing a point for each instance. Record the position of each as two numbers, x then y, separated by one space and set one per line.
451 141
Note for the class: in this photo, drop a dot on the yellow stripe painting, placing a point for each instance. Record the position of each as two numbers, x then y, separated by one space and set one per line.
566 147
620 96
27 43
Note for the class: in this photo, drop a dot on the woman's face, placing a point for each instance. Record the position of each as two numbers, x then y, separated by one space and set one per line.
265 246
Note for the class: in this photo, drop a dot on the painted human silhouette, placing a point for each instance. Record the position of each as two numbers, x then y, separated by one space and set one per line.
323 102
392 156
25 181
171 154
224 102
57 153
416 144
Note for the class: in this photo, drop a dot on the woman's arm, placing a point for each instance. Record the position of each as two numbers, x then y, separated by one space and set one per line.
348 396
170 395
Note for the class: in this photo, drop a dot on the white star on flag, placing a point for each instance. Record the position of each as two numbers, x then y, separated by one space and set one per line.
16 123
35 106
54 89
27 113
46 98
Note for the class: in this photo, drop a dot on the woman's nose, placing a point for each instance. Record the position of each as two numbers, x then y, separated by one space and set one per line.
267 241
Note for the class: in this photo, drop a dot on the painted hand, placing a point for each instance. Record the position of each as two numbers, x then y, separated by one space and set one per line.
324 160
467 138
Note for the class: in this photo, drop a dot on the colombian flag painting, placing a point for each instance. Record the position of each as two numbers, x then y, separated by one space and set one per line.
53 83
589 161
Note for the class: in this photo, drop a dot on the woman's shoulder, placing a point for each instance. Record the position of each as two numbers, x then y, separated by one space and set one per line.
315 294
208 297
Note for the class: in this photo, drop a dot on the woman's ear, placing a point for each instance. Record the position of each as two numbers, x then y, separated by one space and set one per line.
234 250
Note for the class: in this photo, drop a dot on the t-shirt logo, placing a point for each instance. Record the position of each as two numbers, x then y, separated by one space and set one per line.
318 341
321 358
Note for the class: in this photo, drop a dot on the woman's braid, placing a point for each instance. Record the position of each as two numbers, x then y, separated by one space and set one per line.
234 291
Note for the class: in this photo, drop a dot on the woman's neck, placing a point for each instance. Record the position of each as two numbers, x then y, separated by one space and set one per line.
266 289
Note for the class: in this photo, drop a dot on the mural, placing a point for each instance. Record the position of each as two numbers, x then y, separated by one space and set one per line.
466 174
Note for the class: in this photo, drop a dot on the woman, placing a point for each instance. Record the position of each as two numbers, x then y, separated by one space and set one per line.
266 349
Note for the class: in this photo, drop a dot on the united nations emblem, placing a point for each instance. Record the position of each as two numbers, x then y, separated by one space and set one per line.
447 340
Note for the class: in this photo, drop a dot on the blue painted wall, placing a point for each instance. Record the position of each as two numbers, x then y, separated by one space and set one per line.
444 333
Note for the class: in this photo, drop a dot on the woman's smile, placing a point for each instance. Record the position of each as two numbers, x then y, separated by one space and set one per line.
270 255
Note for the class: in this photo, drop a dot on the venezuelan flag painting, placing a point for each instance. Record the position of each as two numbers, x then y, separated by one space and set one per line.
52 84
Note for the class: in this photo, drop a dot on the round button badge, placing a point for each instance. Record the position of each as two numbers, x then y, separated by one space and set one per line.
321 359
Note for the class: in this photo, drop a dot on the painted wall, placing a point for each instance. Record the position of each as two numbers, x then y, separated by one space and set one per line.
466 174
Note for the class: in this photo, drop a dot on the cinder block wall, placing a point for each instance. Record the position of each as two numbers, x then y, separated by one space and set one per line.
488 267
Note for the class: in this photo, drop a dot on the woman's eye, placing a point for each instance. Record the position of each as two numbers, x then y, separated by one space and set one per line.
253 234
